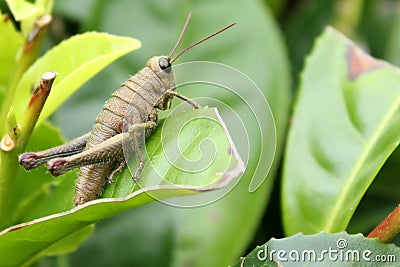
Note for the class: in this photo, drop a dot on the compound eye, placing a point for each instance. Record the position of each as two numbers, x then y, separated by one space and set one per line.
164 64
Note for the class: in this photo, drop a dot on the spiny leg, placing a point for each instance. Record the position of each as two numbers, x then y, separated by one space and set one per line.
184 98
107 151
32 160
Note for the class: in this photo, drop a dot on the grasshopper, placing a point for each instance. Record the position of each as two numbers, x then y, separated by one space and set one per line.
130 114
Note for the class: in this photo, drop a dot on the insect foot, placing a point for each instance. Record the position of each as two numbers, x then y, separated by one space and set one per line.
56 166
29 160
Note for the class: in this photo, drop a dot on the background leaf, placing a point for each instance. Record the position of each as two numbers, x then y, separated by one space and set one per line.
22 9
10 41
344 128
26 13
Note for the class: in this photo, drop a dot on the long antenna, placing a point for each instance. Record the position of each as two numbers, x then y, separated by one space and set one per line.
181 36
197 43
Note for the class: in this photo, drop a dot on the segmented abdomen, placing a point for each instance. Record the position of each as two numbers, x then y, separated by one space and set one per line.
134 101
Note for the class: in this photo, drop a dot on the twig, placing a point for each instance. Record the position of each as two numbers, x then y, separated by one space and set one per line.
388 228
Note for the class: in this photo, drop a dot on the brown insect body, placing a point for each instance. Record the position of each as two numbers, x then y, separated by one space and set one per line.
129 115
138 98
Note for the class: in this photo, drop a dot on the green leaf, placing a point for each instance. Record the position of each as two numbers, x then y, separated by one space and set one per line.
22 9
345 126
26 14
69 243
323 249
75 60
10 42
204 165
47 5
23 244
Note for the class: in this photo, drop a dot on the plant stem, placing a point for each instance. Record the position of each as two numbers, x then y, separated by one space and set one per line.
9 157
28 56
35 106
388 228
9 161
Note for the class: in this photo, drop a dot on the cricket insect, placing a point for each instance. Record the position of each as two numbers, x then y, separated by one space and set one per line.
99 154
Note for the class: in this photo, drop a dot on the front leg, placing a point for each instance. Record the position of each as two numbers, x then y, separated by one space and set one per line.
32 160
184 98
107 151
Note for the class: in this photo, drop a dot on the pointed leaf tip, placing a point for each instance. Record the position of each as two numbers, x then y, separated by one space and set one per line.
359 62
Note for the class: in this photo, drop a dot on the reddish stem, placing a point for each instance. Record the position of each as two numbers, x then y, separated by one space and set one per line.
32 112
388 228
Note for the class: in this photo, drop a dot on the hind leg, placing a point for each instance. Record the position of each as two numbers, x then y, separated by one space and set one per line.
32 160
108 151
